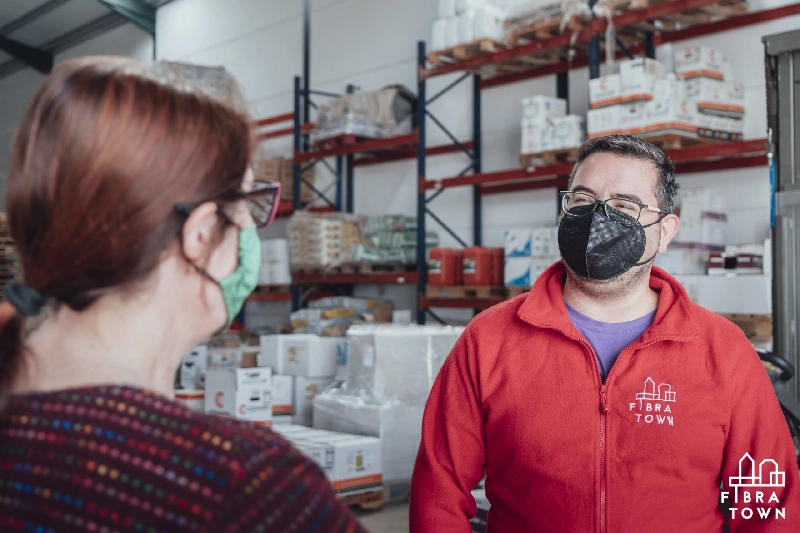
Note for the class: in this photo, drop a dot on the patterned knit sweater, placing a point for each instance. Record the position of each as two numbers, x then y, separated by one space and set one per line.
120 459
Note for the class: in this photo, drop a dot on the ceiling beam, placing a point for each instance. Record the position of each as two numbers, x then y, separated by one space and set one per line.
33 57
136 11
75 37
32 15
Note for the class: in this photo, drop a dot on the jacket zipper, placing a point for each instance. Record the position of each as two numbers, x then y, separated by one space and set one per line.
603 408
603 416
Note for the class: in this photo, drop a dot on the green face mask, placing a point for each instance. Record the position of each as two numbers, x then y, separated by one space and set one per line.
242 282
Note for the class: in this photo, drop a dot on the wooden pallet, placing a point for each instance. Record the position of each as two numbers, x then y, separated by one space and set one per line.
552 157
355 268
465 51
544 30
674 141
369 501
273 289
375 268
465 291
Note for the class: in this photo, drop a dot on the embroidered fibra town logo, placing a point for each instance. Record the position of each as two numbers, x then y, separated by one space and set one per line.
755 490
654 404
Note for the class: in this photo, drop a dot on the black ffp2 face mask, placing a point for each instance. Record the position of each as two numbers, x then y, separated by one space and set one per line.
598 248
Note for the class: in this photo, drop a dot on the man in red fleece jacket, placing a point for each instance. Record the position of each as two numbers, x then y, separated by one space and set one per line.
605 400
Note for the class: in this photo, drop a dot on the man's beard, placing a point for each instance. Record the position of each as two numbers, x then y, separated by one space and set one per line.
619 286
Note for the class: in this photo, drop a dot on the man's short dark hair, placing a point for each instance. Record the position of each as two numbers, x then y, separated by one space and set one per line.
629 146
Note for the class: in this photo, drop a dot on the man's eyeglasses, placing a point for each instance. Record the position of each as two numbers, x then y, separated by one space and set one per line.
262 201
621 210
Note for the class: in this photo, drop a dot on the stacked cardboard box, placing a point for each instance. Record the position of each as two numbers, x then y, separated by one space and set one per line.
311 364
236 387
282 170
698 100
710 86
352 463
529 251
546 125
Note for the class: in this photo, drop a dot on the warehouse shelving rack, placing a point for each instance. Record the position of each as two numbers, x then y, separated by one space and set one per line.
356 152
523 62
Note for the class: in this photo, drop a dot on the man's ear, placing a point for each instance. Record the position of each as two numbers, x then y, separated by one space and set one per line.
199 233
669 228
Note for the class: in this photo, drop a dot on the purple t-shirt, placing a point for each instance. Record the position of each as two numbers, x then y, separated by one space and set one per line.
608 339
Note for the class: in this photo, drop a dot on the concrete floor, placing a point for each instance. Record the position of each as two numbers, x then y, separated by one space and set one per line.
393 518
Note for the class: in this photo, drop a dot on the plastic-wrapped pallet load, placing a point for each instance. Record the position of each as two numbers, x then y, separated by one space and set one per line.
390 371
391 239
396 363
323 239
376 114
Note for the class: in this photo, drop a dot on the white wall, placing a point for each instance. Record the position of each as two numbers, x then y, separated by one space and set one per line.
17 90
372 43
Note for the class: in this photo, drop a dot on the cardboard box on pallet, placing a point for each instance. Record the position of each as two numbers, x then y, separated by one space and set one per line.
700 61
518 242
352 463
568 132
542 109
536 137
637 77
241 393
192 365
716 97
282 399
231 358
358 463
605 91
194 399
300 355
544 241
633 118
275 349
603 121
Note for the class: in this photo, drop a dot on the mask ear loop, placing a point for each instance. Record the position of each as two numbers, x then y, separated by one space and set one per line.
660 218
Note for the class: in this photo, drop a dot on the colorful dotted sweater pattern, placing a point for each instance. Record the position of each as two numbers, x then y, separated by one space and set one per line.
119 459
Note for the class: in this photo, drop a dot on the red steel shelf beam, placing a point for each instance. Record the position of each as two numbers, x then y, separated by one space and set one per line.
410 153
718 156
458 303
274 120
561 169
270 297
286 209
402 141
387 278
718 150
